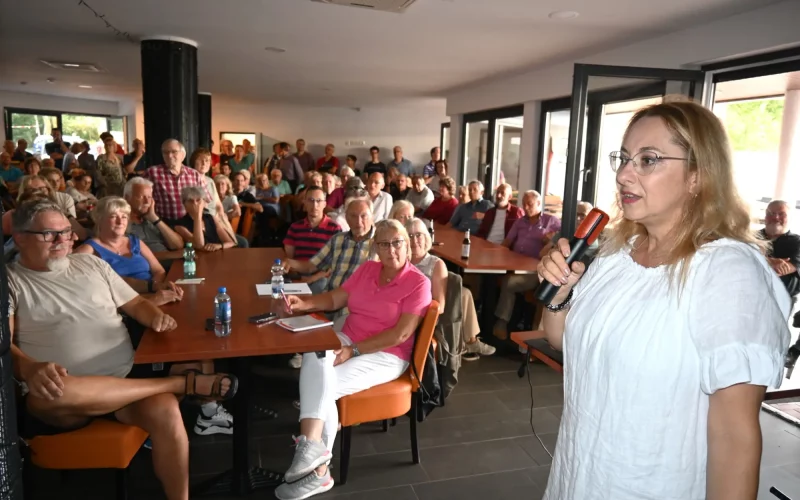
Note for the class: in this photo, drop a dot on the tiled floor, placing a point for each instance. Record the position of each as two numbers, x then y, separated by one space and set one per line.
479 446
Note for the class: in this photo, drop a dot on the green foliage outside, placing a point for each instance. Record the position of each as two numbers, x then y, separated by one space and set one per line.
755 125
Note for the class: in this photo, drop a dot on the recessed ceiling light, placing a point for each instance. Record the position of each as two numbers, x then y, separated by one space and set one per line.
72 65
277 50
84 86
564 14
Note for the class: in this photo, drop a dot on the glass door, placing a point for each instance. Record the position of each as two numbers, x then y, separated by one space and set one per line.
590 113
476 142
444 141
508 138
492 147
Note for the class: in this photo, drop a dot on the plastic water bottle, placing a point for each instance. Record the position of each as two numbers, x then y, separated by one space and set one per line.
189 265
222 313
277 279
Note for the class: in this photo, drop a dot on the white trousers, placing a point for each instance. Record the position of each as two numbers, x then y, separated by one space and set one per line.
322 384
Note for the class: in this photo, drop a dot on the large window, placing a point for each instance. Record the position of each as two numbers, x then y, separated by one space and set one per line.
35 127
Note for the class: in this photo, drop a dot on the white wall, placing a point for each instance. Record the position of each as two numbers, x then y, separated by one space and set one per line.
54 103
415 126
760 30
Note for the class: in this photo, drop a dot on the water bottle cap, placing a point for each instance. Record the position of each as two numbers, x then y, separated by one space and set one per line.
222 289
277 262
189 245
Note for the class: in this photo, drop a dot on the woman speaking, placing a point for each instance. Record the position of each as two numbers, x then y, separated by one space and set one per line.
675 331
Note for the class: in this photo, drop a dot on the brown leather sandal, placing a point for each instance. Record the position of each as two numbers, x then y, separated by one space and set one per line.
216 386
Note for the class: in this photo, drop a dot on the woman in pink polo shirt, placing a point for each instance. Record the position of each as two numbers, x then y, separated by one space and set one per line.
387 300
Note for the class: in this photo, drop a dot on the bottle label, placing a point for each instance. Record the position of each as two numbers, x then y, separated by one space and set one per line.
464 251
223 311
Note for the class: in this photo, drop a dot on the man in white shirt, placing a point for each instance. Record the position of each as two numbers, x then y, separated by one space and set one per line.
381 200
498 220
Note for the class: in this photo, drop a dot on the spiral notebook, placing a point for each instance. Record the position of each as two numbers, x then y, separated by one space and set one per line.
303 323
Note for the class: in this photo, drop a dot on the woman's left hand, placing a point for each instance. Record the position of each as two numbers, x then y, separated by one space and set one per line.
342 355
212 247
170 286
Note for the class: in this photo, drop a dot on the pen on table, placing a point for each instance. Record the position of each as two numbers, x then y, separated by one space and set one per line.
268 322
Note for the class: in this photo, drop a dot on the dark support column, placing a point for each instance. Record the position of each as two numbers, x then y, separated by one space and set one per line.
169 92
204 120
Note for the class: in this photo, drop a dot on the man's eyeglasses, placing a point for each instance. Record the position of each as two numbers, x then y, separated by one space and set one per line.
396 244
50 236
644 165
315 200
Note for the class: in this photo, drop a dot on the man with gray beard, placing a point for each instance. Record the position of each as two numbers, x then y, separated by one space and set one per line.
73 355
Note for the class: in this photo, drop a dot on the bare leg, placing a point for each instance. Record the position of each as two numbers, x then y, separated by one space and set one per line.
159 415
94 396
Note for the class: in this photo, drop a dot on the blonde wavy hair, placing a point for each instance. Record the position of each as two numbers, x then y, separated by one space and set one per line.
715 210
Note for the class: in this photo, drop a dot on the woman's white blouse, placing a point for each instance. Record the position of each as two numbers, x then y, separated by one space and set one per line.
640 365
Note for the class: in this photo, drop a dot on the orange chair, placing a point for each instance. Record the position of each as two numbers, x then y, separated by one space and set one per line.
103 444
390 400
235 224
540 349
246 223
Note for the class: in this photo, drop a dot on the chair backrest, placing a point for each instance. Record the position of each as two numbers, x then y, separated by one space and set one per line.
423 342
235 224
246 222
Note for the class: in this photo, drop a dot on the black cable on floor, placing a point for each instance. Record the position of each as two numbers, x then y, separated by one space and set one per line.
530 384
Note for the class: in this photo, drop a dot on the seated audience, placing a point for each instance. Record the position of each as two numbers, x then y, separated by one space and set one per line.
81 192
268 195
328 184
444 206
387 301
32 166
276 177
441 172
498 220
145 223
8 172
469 215
402 211
434 268
353 189
527 236
375 165
381 200
390 178
32 184
170 179
73 354
201 162
784 253
420 195
48 163
206 232
328 163
243 193
346 173
351 161
463 195
127 255
230 203
344 252
225 168
109 166
304 157
55 180
402 165
399 189
429 170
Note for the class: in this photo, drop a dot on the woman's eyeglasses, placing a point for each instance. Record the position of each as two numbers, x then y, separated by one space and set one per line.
417 235
643 163
396 244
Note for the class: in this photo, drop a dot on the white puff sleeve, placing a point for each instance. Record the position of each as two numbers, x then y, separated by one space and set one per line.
738 315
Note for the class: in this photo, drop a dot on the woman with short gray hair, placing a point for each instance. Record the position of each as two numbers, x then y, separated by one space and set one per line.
206 232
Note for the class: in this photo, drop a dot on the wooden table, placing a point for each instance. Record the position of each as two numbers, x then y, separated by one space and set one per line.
239 270
484 257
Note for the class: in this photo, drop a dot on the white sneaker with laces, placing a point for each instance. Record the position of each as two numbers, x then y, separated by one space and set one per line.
308 486
220 422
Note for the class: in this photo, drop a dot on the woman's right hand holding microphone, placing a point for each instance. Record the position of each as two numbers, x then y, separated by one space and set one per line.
553 268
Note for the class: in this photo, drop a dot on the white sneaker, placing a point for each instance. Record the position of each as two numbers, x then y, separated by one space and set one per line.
296 362
219 423
306 487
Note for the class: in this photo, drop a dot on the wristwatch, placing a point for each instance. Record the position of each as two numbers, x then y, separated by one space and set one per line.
356 352
155 222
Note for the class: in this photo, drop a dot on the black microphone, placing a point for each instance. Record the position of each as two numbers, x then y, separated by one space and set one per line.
585 236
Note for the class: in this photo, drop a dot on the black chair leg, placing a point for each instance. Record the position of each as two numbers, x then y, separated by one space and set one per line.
122 484
413 416
385 425
344 465
394 422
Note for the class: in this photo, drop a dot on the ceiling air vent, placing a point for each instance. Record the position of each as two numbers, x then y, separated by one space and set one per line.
73 66
396 6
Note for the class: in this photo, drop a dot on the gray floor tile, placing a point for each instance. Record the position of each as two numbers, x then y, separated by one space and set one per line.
543 396
383 470
463 460
540 375
396 493
477 382
540 475
534 449
496 486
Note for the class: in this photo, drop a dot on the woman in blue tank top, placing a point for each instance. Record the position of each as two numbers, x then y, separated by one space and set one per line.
130 257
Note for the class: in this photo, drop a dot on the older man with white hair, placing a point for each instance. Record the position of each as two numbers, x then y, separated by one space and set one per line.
169 180
381 200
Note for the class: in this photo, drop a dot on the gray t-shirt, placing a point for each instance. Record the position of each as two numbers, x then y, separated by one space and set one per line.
70 317
148 233
421 201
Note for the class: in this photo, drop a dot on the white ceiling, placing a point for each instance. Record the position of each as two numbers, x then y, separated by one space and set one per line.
334 55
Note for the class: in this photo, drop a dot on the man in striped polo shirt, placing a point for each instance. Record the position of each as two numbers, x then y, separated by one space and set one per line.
306 237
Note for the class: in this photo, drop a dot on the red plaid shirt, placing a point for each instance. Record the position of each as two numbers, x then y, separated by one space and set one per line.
167 189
